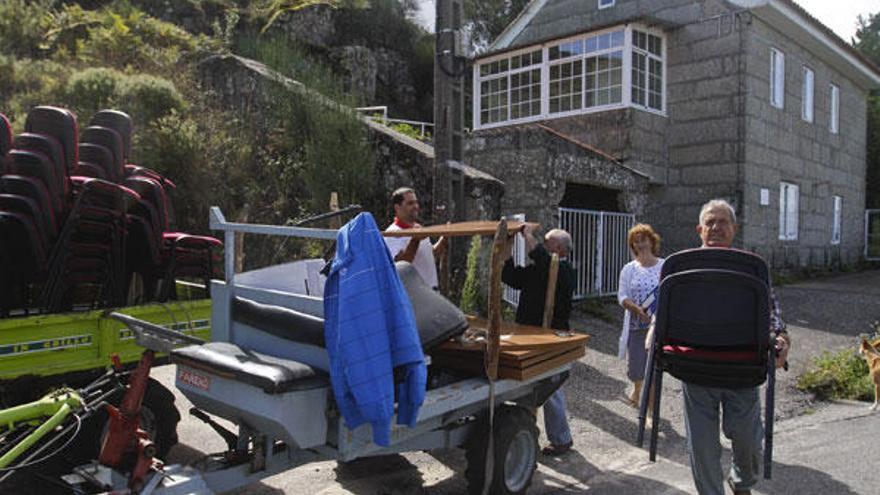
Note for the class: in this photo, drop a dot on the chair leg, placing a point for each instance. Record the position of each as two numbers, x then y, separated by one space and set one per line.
645 397
769 401
655 426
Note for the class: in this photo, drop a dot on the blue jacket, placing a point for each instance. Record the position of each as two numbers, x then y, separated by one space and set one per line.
370 329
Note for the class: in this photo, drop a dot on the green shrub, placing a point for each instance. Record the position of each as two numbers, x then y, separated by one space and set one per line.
473 292
93 89
23 24
27 83
148 98
329 143
839 375
410 131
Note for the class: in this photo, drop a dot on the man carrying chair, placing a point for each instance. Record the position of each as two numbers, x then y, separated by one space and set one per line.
740 404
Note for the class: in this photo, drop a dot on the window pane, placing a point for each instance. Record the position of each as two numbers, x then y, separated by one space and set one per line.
617 38
592 44
566 86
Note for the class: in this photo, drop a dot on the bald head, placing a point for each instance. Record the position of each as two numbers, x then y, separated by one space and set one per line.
558 241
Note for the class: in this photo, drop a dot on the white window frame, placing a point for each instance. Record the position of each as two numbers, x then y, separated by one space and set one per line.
604 4
626 89
836 217
834 110
649 57
807 94
777 78
789 210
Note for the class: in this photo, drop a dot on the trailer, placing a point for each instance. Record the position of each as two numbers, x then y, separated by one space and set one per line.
266 371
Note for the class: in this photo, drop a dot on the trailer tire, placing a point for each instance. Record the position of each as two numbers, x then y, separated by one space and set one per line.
515 453
159 418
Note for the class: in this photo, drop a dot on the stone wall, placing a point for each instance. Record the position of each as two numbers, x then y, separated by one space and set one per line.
703 137
248 87
781 146
537 164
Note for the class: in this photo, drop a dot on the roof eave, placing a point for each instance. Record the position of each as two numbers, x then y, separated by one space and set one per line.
793 20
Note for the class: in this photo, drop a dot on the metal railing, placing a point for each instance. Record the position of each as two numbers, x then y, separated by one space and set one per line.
371 112
510 294
599 248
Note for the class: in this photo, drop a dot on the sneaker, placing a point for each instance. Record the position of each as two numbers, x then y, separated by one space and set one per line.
556 450
735 491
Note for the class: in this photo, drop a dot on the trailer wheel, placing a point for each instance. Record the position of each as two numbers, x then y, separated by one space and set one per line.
515 453
159 418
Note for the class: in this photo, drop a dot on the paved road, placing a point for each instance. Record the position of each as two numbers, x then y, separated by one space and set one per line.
820 446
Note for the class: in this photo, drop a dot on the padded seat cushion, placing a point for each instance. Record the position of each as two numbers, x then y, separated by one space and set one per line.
436 317
280 322
273 375
712 354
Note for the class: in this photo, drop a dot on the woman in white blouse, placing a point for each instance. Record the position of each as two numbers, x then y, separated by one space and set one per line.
637 293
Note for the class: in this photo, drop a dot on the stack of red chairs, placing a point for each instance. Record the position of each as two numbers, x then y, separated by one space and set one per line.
77 223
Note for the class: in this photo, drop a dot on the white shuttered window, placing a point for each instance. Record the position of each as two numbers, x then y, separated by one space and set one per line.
788 211
835 222
807 95
834 123
777 78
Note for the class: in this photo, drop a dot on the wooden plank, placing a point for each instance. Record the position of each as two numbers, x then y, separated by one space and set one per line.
549 364
520 337
550 294
473 363
460 229
493 334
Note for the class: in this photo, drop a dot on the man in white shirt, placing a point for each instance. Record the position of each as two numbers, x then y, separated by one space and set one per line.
418 251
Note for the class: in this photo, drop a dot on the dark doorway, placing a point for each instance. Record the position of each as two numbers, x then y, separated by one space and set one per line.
590 197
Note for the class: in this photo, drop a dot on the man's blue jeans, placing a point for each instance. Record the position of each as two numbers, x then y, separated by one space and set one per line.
555 422
741 423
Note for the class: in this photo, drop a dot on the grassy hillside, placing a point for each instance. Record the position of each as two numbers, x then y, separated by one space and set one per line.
99 54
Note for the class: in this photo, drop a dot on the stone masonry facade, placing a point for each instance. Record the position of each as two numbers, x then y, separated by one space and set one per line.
719 137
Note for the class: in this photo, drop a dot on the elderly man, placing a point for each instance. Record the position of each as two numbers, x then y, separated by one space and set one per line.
741 421
418 251
531 280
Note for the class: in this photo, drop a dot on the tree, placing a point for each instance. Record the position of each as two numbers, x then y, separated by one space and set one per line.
867 38
867 41
486 19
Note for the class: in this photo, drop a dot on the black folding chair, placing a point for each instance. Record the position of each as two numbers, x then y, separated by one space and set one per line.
712 328
5 141
119 122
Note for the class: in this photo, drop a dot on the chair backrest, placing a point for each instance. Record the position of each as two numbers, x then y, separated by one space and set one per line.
152 192
5 137
37 165
22 242
717 258
713 309
100 156
111 140
50 147
34 189
713 318
119 122
89 169
59 123
27 207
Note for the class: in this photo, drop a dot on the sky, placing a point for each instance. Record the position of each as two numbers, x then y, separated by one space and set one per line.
839 15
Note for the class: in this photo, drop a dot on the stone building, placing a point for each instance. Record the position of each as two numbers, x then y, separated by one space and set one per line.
652 107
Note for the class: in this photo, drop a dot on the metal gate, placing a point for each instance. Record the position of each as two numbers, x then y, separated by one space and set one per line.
872 235
510 294
599 248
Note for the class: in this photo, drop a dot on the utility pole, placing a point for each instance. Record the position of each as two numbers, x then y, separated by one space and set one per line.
449 67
